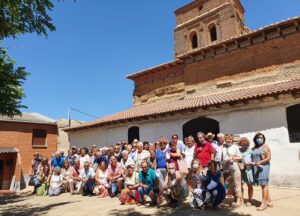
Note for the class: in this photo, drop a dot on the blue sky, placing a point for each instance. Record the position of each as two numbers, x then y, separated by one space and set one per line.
97 43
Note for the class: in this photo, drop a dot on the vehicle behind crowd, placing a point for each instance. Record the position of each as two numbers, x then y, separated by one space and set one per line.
203 171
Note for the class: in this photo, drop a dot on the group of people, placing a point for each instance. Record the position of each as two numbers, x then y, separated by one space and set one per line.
205 171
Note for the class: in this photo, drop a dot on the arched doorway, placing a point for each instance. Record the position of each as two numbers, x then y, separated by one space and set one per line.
204 125
293 120
133 133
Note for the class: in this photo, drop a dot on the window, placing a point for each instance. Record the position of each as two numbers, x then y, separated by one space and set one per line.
39 138
293 120
133 133
213 33
194 40
200 8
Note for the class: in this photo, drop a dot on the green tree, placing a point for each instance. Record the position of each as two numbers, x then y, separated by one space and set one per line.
19 17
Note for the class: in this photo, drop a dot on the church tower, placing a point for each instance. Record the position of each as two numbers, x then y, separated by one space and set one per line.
203 22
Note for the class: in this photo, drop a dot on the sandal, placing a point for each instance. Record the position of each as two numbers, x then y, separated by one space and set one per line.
236 204
262 207
270 205
248 204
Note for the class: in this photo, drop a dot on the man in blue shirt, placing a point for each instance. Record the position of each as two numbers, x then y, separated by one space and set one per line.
57 161
99 158
148 184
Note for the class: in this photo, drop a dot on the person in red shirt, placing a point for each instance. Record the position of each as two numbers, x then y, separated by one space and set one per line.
204 151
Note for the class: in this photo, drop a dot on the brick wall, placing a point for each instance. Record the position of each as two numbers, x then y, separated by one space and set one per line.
273 52
224 65
227 16
19 135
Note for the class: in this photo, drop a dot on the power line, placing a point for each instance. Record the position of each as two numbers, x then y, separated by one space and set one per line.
79 111
82 112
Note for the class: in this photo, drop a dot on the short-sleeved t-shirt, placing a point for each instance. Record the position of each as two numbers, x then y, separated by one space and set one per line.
90 173
205 155
99 160
161 158
57 162
115 172
148 179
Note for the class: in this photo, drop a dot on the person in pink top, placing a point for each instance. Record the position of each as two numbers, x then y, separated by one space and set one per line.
74 181
114 176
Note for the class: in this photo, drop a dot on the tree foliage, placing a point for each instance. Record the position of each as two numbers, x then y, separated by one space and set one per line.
19 17
25 16
11 80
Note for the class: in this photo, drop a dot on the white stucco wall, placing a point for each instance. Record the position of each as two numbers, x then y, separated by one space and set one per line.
285 164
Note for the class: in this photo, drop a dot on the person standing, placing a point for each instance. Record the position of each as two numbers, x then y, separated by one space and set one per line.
247 172
188 153
161 163
141 156
218 148
204 152
261 158
231 157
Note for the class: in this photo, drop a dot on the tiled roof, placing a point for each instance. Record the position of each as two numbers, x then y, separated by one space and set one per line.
29 118
162 108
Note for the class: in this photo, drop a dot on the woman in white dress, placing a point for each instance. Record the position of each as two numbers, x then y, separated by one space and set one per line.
101 178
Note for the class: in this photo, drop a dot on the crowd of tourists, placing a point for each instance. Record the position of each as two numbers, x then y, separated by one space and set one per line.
203 172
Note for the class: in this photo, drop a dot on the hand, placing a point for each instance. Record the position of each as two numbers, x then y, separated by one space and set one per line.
257 164
145 186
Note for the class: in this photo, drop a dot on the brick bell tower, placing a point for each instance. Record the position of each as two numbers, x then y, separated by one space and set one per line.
203 22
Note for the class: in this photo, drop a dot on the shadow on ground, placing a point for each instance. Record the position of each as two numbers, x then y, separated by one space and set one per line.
12 199
29 209
167 211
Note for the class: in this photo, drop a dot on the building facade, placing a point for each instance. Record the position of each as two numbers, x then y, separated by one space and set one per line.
20 138
225 78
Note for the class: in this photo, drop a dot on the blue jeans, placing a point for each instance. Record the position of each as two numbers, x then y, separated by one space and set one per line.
142 193
114 187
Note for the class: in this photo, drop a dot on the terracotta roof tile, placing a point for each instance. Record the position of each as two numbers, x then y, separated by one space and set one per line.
160 108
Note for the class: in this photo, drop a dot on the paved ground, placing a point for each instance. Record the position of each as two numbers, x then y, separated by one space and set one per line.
286 202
